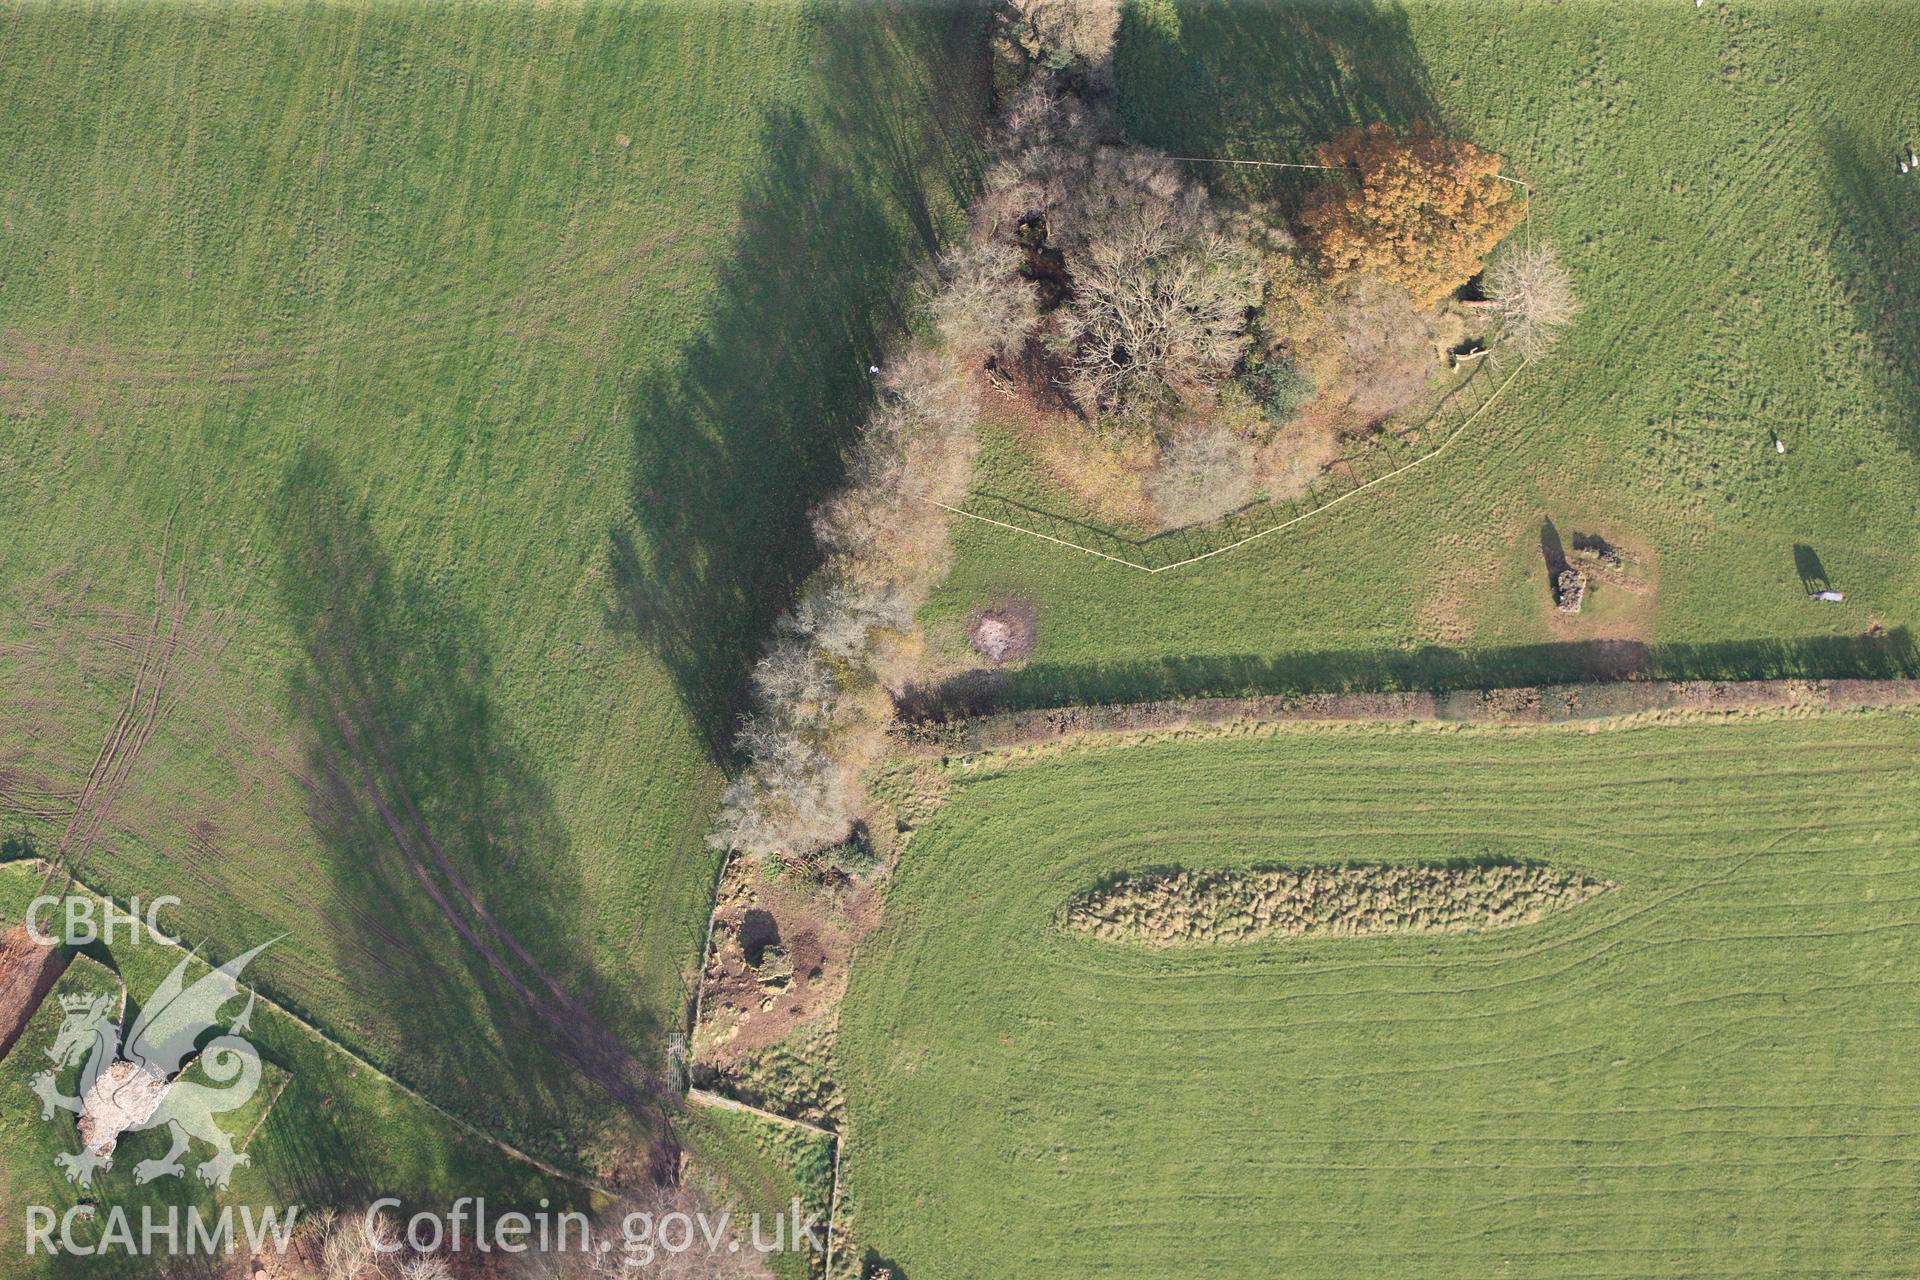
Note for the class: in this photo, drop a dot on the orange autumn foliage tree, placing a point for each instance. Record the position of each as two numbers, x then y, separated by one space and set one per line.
1422 211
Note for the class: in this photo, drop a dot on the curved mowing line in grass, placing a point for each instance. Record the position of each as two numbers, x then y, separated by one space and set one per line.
1702 1072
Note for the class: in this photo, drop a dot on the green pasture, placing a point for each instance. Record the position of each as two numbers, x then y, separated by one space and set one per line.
1703 1072
769 1167
1722 183
410 412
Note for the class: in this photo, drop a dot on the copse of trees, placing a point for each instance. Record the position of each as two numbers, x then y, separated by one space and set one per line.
1163 318
1156 310
1179 360
821 698
1422 211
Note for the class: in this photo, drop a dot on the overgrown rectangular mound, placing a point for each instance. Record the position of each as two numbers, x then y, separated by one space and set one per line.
1704 1071
1171 908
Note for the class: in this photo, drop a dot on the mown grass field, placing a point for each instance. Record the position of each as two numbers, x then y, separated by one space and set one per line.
409 416
1722 184
321 1131
1704 1072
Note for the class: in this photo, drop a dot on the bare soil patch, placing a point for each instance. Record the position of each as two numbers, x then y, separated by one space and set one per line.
1621 585
778 962
1004 632
28 971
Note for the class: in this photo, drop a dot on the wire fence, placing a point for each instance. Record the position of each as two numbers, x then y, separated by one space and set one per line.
1284 164
1386 456
1379 460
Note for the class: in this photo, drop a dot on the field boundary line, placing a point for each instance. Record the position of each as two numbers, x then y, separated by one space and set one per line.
1328 505
706 949
465 1126
1580 707
287 1079
721 1102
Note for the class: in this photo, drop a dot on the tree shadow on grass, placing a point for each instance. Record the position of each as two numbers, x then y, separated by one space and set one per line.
456 907
1265 81
1892 655
735 442
1874 252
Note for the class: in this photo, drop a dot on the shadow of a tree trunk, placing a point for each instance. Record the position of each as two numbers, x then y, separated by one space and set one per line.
456 901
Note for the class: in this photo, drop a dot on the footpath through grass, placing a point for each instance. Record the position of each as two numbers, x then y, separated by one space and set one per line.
1705 1071
1722 184
409 418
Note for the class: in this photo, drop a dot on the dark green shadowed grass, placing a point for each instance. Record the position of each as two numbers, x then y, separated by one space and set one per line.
410 413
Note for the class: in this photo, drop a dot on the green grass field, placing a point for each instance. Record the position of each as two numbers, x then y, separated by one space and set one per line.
1722 184
409 415
1704 1072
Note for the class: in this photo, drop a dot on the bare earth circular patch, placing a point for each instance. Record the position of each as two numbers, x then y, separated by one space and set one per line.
1004 632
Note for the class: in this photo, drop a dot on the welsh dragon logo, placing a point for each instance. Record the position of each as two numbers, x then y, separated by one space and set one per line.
138 1086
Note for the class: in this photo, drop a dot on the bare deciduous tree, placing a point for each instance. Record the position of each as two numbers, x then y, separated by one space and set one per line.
1160 294
1072 36
1203 473
425 1267
346 1253
1042 150
1535 297
984 306
1378 351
